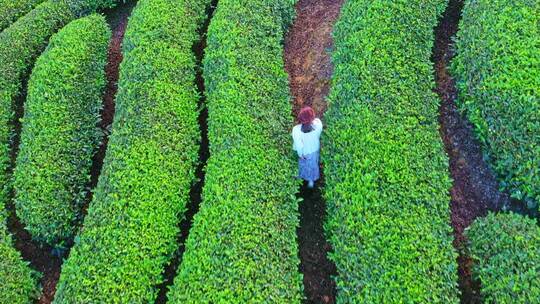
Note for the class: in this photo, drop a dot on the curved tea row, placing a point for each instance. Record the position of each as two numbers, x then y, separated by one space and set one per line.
11 10
497 68
130 231
20 45
59 130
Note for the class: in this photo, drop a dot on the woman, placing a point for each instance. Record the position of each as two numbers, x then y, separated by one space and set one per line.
306 137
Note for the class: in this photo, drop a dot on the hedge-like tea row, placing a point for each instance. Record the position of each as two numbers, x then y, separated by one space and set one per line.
11 10
59 131
130 231
20 44
506 252
242 246
497 68
18 284
386 170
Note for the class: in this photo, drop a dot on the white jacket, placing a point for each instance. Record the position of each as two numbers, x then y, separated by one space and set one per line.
307 143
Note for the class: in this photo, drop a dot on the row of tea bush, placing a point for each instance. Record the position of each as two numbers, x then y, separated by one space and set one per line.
386 169
59 130
129 234
11 10
20 44
243 247
497 69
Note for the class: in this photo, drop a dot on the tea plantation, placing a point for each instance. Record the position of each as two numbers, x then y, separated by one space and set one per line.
157 220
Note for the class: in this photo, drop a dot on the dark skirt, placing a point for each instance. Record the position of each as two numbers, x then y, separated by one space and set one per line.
309 167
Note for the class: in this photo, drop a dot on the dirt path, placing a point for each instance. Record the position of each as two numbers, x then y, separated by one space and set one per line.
117 19
475 189
308 62
42 258
307 47
204 153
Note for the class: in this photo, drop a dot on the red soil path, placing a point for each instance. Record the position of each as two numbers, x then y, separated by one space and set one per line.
307 52
112 72
308 63
475 189
41 258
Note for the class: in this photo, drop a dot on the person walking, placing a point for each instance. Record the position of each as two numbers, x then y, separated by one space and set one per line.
306 142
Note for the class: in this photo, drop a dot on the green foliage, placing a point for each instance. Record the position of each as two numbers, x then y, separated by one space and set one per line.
59 130
85 7
386 170
498 76
18 284
130 231
242 245
11 10
20 44
506 253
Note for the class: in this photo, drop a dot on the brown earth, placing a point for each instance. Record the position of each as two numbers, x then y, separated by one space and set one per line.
307 52
117 19
42 258
475 189
308 63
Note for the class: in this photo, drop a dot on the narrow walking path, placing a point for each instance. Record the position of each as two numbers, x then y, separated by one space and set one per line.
308 63
204 153
41 258
117 19
475 189
307 52
45 259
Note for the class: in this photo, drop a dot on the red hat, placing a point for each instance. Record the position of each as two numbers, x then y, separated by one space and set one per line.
306 115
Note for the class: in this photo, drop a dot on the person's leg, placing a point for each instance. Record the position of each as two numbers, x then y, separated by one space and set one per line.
311 184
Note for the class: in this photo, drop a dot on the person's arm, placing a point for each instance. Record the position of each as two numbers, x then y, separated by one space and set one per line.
318 126
297 142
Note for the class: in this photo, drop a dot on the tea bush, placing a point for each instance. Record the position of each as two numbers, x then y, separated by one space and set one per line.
497 68
20 44
59 130
242 246
131 229
506 253
386 169
11 10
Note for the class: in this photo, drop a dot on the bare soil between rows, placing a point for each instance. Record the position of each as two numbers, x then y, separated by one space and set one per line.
42 258
475 189
117 19
308 63
171 270
307 53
